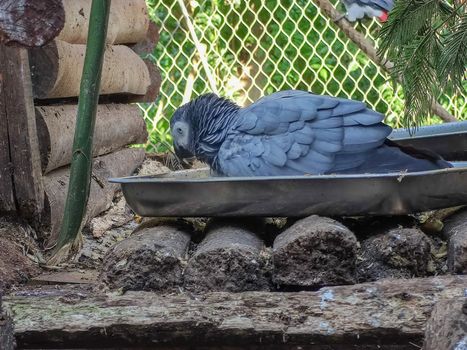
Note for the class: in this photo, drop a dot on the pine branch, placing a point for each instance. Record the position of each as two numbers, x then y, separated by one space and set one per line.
426 41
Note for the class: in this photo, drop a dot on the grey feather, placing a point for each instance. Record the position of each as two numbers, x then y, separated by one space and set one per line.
294 132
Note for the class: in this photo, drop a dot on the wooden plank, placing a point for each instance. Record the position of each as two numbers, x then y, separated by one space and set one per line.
7 202
388 314
66 277
24 146
30 22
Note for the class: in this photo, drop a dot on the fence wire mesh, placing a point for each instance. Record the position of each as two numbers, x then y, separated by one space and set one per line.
244 49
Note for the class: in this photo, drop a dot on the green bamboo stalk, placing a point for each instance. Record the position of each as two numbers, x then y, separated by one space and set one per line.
80 173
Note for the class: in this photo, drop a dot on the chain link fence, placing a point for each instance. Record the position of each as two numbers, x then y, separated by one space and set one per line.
244 49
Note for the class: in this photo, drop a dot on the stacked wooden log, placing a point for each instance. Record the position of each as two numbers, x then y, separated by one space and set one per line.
41 137
236 256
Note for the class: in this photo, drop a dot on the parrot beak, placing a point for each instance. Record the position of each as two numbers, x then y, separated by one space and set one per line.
183 153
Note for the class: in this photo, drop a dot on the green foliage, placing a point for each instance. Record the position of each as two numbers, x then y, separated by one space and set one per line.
427 42
257 47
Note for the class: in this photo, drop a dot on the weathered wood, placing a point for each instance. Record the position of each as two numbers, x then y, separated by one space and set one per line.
151 259
151 93
313 252
147 45
7 201
30 22
230 258
15 267
388 314
398 253
117 125
66 277
455 230
7 340
57 67
117 164
22 133
447 327
128 21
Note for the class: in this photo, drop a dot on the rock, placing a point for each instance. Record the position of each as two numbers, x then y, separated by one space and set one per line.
399 253
314 252
231 258
152 258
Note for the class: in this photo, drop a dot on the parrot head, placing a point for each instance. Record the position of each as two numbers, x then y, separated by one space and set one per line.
182 133
199 127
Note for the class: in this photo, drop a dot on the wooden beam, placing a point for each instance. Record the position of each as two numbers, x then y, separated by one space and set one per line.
7 340
7 201
388 314
30 22
22 133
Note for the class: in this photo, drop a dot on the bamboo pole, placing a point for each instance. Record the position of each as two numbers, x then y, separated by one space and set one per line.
80 173
367 47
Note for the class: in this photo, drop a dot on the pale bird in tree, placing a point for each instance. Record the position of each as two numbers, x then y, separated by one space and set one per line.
357 9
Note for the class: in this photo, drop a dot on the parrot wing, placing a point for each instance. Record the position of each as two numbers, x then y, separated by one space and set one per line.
296 132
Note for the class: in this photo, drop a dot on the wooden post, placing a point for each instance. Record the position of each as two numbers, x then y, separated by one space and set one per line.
18 108
7 202
7 340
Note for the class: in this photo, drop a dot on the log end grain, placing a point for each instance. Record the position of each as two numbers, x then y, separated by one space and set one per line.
231 258
151 259
314 252
399 253
30 23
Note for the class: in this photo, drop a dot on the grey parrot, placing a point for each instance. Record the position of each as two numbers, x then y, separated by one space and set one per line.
291 133
357 9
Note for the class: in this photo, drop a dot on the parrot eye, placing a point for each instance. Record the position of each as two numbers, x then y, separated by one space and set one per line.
180 131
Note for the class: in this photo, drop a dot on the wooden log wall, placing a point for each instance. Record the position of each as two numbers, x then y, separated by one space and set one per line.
38 108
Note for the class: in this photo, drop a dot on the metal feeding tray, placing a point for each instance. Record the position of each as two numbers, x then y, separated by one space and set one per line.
449 140
195 193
